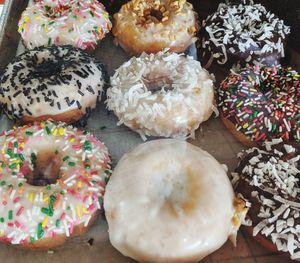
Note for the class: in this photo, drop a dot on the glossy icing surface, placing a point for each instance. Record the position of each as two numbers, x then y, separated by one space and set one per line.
169 201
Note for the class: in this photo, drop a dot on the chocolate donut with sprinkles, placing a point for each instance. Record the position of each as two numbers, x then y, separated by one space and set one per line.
261 103
57 82
268 177
52 180
241 33
64 22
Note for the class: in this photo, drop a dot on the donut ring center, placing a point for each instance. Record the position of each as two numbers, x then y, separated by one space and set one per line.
46 169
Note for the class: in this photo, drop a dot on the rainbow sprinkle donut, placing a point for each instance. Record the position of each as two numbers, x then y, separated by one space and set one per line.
52 180
259 104
61 22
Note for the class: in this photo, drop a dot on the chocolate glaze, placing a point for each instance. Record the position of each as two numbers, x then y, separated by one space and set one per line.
266 192
263 103
257 50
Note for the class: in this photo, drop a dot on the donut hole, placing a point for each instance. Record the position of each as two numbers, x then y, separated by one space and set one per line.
156 14
46 168
157 79
158 83
44 69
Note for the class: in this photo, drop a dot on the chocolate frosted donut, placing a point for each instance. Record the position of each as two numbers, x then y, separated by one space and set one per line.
269 178
61 83
259 104
242 33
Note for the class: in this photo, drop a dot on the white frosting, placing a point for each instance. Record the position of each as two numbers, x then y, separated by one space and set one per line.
169 201
176 30
29 213
177 109
50 81
62 22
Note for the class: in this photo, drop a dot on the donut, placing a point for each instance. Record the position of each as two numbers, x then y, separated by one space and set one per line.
151 26
268 177
241 33
57 82
180 207
52 180
64 22
164 94
261 103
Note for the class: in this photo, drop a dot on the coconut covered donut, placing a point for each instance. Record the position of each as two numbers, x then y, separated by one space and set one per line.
165 94
151 26
261 103
269 178
180 207
64 22
57 82
241 32
52 180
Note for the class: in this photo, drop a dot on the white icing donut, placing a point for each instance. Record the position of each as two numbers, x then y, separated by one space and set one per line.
165 94
51 81
36 216
63 22
151 26
169 201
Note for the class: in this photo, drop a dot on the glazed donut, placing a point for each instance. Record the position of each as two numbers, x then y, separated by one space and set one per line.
242 33
269 178
52 180
64 22
151 26
261 103
57 82
165 94
180 207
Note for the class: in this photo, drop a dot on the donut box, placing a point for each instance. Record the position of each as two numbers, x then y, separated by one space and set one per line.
212 136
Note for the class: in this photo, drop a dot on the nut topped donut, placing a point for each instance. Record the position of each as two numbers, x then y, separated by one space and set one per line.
242 33
163 94
268 177
57 82
152 25
52 180
170 201
64 22
261 103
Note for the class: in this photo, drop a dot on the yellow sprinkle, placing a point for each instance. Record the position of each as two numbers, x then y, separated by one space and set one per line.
239 104
18 167
38 18
46 199
72 140
246 125
61 131
44 222
26 18
31 196
55 132
79 184
1 233
78 211
85 211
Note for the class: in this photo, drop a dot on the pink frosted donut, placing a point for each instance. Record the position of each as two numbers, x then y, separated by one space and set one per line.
64 22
